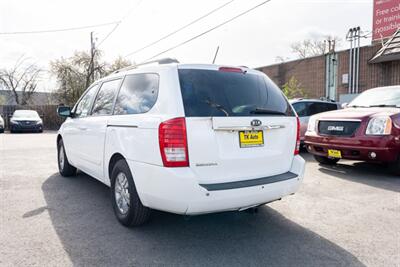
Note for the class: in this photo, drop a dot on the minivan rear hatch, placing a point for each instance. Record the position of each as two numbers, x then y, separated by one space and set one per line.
239 125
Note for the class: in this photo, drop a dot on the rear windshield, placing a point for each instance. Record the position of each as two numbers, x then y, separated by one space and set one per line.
214 93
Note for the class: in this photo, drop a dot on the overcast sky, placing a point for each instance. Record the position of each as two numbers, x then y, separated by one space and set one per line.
255 39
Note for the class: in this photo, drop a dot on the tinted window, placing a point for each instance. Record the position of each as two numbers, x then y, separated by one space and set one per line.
315 108
138 94
82 108
301 109
105 98
217 93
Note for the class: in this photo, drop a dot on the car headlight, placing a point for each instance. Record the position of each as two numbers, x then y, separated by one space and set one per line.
39 122
312 124
13 121
379 126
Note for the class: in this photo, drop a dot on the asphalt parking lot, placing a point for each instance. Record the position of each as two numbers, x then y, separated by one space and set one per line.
348 215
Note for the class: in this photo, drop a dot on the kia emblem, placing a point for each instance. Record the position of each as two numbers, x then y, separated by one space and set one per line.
255 123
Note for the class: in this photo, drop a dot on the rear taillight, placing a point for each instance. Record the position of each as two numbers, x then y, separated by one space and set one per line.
230 69
297 148
173 143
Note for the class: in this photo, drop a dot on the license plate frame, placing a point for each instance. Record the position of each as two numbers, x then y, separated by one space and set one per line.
246 141
334 153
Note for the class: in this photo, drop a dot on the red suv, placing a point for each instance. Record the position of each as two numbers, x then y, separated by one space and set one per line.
368 129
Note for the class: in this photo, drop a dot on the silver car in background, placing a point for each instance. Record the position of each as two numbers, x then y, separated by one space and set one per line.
308 107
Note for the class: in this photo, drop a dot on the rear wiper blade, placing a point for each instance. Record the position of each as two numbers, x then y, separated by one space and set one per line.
217 106
266 111
384 105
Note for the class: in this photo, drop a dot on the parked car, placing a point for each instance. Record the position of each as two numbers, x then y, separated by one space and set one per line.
1 124
369 130
186 139
308 107
26 121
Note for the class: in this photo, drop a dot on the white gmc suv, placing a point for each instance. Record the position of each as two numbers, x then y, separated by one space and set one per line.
186 139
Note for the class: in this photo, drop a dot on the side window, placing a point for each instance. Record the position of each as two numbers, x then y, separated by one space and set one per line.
330 107
105 98
138 94
321 107
83 107
301 109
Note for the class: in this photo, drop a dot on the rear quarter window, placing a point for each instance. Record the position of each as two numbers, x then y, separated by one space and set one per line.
208 93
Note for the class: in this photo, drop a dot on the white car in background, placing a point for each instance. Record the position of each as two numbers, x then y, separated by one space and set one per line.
1 124
186 139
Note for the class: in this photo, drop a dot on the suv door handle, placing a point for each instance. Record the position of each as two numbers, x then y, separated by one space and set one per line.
249 128
82 128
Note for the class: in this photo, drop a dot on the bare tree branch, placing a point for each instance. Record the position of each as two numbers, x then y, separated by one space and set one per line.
21 80
314 47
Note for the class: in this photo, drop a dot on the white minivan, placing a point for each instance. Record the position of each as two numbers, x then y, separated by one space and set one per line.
183 138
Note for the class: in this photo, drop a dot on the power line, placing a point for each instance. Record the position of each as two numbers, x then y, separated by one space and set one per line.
108 35
180 29
62 30
120 21
209 30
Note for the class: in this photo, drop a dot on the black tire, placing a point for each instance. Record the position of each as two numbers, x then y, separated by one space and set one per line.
326 160
2 131
394 167
64 167
136 214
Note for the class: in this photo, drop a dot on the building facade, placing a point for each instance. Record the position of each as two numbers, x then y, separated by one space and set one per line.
328 75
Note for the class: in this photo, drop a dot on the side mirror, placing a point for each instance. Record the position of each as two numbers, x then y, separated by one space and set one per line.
345 105
64 111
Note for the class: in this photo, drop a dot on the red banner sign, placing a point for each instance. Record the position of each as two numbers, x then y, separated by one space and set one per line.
386 18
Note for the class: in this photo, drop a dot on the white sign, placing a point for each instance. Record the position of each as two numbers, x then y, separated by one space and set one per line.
345 78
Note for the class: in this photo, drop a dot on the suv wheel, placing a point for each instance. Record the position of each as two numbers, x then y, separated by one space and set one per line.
64 167
128 208
325 160
395 167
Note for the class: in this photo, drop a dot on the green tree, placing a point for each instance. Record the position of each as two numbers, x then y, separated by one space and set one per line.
293 89
2 100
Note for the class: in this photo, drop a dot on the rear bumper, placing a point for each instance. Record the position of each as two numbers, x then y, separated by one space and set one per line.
355 148
176 190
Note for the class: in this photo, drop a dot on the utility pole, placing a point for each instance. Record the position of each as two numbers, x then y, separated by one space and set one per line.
92 54
215 55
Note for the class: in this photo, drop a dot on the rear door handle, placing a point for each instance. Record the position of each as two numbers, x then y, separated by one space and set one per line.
249 128
82 128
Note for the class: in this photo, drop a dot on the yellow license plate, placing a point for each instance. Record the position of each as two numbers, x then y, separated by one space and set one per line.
334 153
251 138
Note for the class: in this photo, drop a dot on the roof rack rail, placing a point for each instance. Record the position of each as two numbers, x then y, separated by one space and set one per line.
159 61
323 98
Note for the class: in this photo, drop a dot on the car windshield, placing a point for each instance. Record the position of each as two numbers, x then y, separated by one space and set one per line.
220 93
379 97
31 114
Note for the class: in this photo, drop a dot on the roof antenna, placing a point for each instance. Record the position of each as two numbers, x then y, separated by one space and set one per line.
215 56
